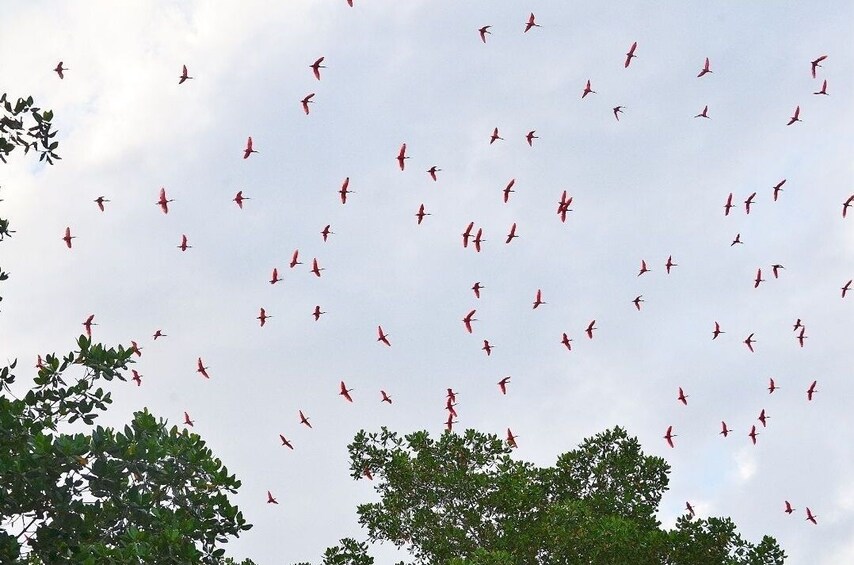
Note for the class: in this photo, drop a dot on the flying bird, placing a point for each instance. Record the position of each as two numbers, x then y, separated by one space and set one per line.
495 136
383 337
306 101
670 264
344 192
812 390
530 23
163 202
68 237
285 442
704 113
823 89
135 348
729 205
509 188
478 239
531 137
88 325
690 509
401 156
775 270
449 423
386 397
100 202
814 64
432 171
748 202
772 386
304 420
811 517
845 288
187 420
274 278
239 198
630 55
159 333
749 342
617 111
487 347
587 90
590 328
316 66
467 234
262 317
201 369
669 436
502 384
795 117
753 433
736 240
421 213
512 233
345 392
468 320
315 268
326 231
778 189
637 301
643 268
724 431
477 288
270 499
789 508
846 205
705 69
317 313
566 341
484 31
137 378
248 150
295 259
763 418
183 246
683 398
184 76
797 324
758 279
538 300
60 69
511 439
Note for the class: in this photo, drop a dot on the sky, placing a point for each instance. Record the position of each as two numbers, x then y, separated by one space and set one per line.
648 186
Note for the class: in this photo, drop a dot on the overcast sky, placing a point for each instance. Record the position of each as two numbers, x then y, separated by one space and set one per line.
648 186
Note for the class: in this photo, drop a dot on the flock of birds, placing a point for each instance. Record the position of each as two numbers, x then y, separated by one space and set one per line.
472 236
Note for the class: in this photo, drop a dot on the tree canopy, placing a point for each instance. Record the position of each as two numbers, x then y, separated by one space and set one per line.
462 499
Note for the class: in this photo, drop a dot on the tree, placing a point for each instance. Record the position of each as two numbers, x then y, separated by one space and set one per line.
24 125
463 500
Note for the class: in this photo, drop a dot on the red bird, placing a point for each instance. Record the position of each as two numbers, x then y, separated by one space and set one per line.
248 150
383 337
775 270
795 117
587 90
262 317
706 69
306 101
467 234
669 436
477 288
512 233
763 418
451 396
344 192
724 431
502 384
100 202
421 214
670 264
530 23
162 202
538 300
468 320
316 66
401 156
270 499
690 509
201 369
303 419
683 398
815 64
802 337
846 205
449 423
771 386
59 70
748 202
509 188
239 198
736 240
386 397
315 268
137 378
823 89
326 232
753 433
432 171
484 31
590 329
630 55
778 189
184 246
847 287
135 348
566 341
812 390
449 406
758 279
187 420
184 76
637 301
789 508
749 342
68 237
511 439
704 113
295 259
617 111
350 3
643 268
797 325
729 205
531 137
487 347
811 517
478 239
317 313
88 325
367 473
159 333
274 278
285 442
494 137
345 392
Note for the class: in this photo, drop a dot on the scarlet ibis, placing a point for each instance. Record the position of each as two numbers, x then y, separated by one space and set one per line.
315 268
753 433
538 299
823 89
798 324
704 113
748 202
187 420
749 342
772 386
468 320
100 202
345 392
669 436
789 508
683 398
763 418
630 55
477 288
690 509
587 90
306 101
802 337
729 205
201 369
68 237
326 232
386 397
159 333
270 499
432 172
643 268
316 66
304 420
512 233
383 337
617 111
530 23
736 240
531 137
846 205
274 278
184 76
511 439
758 279
262 317
88 324
775 270
590 328
778 189
163 202
248 150
137 378
705 69
344 192
478 239
795 117
317 313
494 137
184 246
670 264
451 395
566 341
467 234
847 287
135 348
285 442
60 69
637 301
487 347
502 384
449 423
724 431
295 259
401 156
717 331
239 198
509 188
814 64
811 517
367 473
812 390
420 214
484 31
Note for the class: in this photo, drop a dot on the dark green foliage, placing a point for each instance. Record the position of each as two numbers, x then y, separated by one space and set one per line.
462 500
24 125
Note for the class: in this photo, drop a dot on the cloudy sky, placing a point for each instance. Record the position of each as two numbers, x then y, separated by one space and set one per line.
648 186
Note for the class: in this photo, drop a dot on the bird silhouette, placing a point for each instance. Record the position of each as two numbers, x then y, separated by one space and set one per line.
163 202
383 337
401 157
706 70
184 76
484 31
59 70
669 435
184 246
502 384
531 23
100 202
630 55
795 117
306 101
68 237
345 392
248 150
316 66
814 64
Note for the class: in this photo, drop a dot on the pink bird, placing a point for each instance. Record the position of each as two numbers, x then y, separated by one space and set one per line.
270 499
285 442
643 268
502 384
724 431
68 237
736 240
239 198
295 259
304 420
812 390
468 320
315 268
823 89
137 378
845 288
511 439
201 369
248 150
587 90
306 101
749 342
530 23
617 111
566 341
484 31
262 317
637 301
135 348
494 137
432 172
163 202
795 117
847 204
748 202
88 325
789 508
449 423
683 398
590 328
538 300
753 433
802 337
100 202
706 69
811 517
531 137
630 55
420 214
345 392
274 278
383 337
184 246
401 156
758 279
344 192
512 233
487 347
669 436
729 205
670 264
187 420
159 333
467 234
763 418
326 232
316 66
778 189
477 287
814 64
704 113
509 188
690 509
317 313
184 76
478 239
386 397
60 69
772 386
